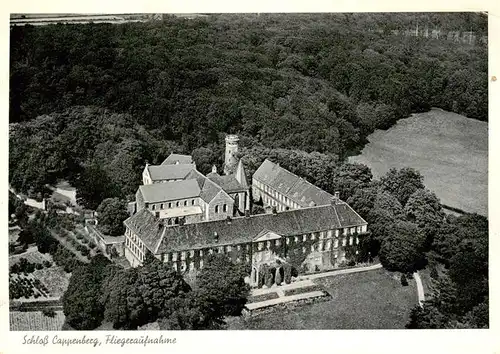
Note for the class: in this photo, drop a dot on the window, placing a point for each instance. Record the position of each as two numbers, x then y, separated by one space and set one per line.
191 253
201 253
175 267
228 248
216 208
192 202
183 255
313 236
166 257
321 235
183 266
344 241
353 230
177 204
238 248
185 203
351 240
330 233
260 246
174 257
210 251
224 208
157 214
336 243
296 239
287 241
312 248
357 240
303 250
161 206
170 205
328 245
268 244
201 263
336 233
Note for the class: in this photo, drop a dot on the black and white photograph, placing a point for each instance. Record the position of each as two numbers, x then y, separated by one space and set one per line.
248 171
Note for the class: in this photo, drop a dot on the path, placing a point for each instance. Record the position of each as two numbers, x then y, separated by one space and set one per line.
281 300
420 288
338 272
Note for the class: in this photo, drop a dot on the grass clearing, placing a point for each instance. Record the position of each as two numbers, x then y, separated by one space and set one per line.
450 150
368 300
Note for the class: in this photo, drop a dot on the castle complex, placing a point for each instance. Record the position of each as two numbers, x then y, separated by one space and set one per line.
181 216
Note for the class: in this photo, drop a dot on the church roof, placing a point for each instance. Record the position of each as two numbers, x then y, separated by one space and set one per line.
240 175
174 159
167 172
159 238
228 183
160 192
294 187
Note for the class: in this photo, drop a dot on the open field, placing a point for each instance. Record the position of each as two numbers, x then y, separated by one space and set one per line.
35 321
450 150
368 300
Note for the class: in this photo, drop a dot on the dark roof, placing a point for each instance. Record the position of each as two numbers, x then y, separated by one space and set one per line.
209 190
159 192
160 239
167 172
228 183
292 186
173 159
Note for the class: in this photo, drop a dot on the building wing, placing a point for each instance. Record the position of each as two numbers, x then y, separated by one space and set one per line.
161 192
178 159
169 172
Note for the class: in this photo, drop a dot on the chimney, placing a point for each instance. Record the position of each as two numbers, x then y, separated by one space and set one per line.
337 196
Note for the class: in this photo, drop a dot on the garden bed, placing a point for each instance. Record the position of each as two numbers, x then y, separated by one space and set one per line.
304 290
263 297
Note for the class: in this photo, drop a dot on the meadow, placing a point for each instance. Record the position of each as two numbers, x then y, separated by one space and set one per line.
450 150
369 300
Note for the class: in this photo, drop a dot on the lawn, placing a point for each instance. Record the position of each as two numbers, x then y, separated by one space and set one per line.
35 321
369 300
450 150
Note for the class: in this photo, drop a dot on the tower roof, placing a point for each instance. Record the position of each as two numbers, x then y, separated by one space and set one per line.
240 175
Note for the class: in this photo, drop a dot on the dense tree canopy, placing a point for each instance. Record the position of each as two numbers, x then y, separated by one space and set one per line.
402 183
111 214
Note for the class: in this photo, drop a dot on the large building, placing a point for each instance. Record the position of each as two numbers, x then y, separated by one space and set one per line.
183 217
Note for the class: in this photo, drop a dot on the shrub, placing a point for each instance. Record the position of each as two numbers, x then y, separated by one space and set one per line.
351 263
85 241
278 279
269 277
39 266
92 244
434 273
287 269
79 236
47 264
49 312
404 281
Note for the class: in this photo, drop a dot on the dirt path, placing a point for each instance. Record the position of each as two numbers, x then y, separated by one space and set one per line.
420 288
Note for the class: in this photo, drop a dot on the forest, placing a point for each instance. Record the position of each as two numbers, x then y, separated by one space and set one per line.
97 101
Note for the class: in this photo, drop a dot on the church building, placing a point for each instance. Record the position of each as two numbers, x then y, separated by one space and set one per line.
182 217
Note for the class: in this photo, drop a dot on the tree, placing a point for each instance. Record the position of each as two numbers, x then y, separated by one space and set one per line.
350 177
93 186
402 183
221 289
424 209
111 214
401 250
81 300
204 158
136 296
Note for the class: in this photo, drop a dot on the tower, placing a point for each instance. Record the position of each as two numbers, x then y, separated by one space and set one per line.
230 160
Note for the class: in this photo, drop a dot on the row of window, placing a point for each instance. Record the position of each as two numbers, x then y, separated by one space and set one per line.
135 245
190 264
278 197
224 208
322 246
171 205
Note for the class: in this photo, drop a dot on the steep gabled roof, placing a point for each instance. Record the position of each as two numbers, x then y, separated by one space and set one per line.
292 186
169 172
174 159
160 239
160 192
228 183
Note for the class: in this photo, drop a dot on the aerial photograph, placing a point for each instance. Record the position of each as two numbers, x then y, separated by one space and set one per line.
248 171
